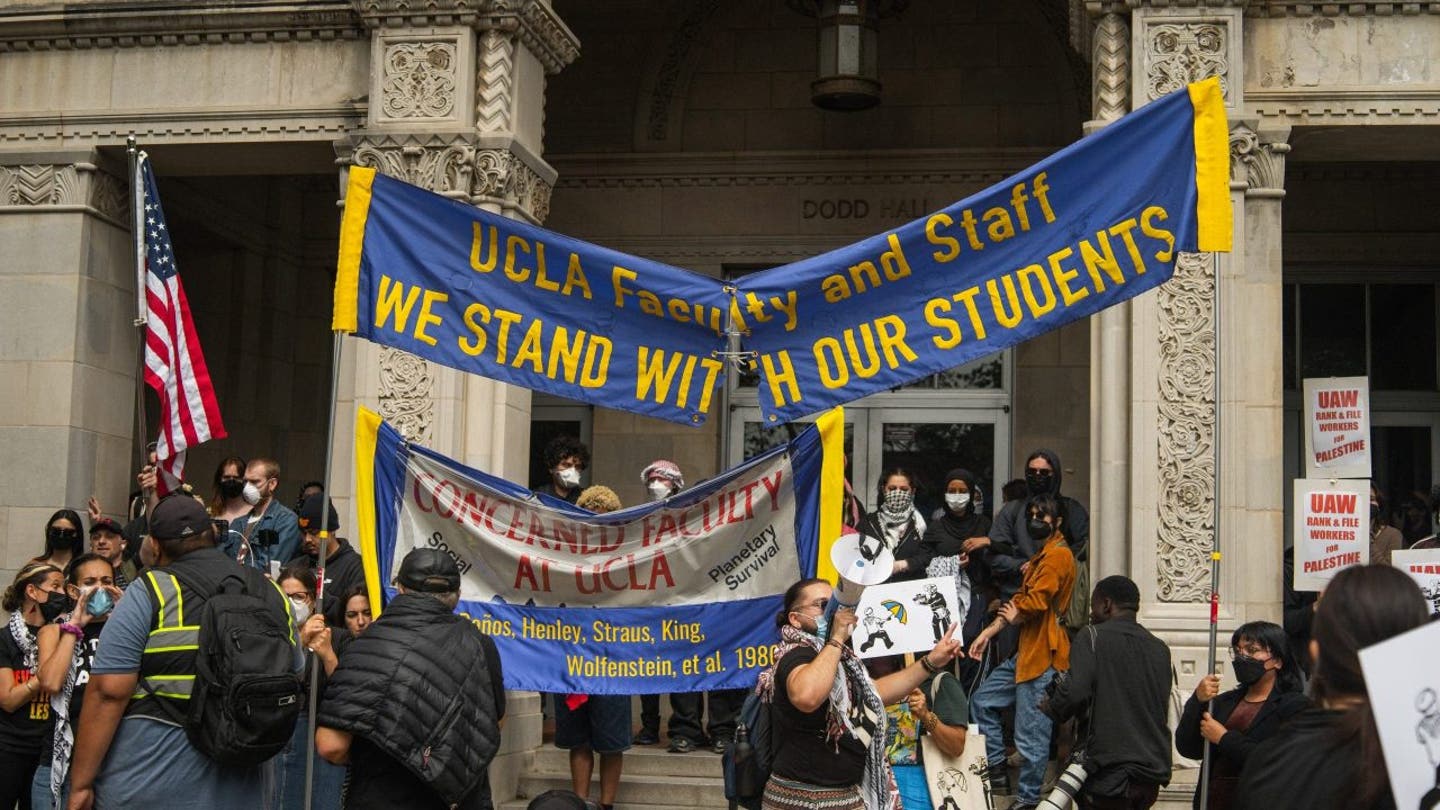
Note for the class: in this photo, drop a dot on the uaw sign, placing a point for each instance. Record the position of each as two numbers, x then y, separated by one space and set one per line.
673 596
1337 427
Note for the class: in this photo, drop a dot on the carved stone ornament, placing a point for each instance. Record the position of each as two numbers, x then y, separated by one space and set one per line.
407 394
1258 164
1180 53
533 21
494 82
110 197
440 165
419 80
40 184
1186 415
1111 55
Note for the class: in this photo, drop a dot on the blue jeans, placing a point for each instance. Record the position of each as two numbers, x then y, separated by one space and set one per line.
40 790
288 768
1032 729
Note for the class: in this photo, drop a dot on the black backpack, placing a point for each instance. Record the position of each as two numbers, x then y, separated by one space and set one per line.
247 696
747 761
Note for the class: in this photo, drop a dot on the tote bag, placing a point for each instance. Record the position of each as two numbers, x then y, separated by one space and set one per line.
956 783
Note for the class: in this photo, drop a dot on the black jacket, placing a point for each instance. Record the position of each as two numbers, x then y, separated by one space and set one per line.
343 572
1235 748
1011 546
1307 765
1127 675
915 553
419 685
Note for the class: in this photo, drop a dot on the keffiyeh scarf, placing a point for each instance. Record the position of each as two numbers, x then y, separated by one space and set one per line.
854 708
64 735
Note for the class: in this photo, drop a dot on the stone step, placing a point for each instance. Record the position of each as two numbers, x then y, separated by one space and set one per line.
640 760
636 790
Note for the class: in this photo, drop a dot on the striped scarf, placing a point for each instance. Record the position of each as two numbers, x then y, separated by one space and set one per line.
854 709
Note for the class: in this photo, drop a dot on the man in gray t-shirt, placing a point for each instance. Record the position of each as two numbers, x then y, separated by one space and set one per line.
157 766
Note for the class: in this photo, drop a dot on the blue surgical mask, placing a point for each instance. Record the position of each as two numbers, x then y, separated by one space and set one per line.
99 603
822 626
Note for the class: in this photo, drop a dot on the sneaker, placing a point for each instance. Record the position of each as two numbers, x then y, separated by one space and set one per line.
1000 784
720 744
680 745
647 737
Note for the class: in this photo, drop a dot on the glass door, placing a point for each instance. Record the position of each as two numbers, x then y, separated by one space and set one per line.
929 442
1404 451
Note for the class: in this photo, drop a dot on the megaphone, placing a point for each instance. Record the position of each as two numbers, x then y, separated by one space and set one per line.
860 565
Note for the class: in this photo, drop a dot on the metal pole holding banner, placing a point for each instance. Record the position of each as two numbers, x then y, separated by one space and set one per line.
137 241
320 566
1212 667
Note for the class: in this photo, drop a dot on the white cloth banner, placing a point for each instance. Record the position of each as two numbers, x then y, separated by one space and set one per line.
725 543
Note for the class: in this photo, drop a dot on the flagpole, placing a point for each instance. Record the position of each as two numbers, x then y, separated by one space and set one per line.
1207 756
320 569
137 240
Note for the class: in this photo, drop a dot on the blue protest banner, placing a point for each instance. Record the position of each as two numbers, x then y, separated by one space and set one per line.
1095 224
674 596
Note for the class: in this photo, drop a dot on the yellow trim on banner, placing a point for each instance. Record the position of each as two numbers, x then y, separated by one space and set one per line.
1214 218
352 244
832 488
367 430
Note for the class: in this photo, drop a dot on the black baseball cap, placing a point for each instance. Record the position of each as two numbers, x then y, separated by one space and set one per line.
178 517
106 524
430 570
309 514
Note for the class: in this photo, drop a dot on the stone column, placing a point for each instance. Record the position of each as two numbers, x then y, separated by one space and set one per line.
1157 431
457 99
1110 328
68 343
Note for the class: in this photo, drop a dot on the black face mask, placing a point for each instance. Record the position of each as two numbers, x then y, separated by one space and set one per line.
231 487
60 539
54 605
1038 529
1247 669
1039 483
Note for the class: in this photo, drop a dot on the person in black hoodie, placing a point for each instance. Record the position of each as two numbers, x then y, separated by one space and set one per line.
945 538
344 572
1243 719
1329 756
1009 547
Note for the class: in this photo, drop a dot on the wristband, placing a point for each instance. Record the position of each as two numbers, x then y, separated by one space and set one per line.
833 643
929 667
72 629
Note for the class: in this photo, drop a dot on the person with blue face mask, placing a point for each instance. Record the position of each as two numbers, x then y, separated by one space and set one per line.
831 753
67 649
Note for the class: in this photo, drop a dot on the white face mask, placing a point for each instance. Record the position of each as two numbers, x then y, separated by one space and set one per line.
957 500
251 493
570 477
301 608
659 490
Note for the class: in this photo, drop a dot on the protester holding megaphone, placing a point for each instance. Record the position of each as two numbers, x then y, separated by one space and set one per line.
828 713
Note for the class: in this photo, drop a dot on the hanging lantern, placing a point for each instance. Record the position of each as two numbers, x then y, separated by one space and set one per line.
848 66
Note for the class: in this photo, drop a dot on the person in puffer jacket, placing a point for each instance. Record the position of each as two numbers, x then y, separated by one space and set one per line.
415 705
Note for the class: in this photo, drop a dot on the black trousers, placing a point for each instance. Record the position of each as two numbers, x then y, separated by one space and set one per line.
17 771
1137 797
689 708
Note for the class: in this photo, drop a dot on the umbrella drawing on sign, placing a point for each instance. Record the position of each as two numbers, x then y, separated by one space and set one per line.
895 608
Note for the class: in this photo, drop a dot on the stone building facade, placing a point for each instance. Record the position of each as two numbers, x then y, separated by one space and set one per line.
685 131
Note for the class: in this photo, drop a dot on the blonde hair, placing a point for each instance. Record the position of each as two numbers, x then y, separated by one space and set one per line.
599 499
32 574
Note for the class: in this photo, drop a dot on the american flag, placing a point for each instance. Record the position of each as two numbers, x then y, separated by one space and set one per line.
174 364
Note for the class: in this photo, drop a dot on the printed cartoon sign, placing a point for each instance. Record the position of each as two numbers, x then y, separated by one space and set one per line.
904 617
1423 566
1402 675
1332 520
1337 427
